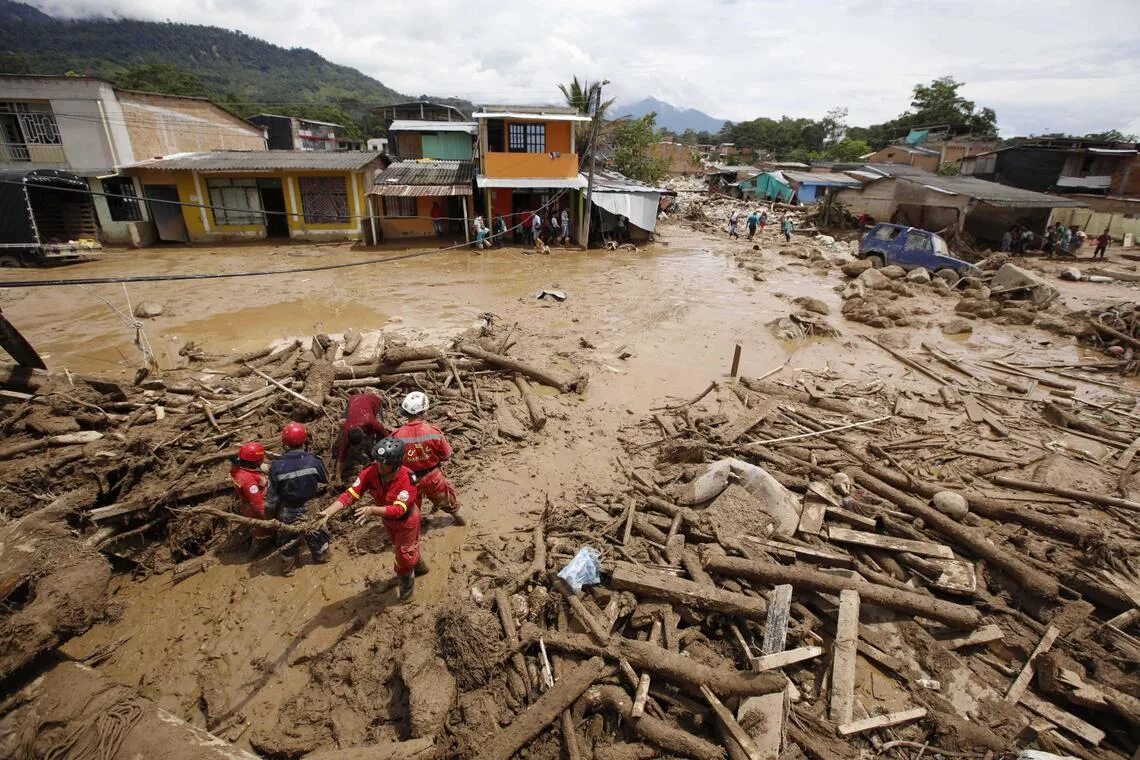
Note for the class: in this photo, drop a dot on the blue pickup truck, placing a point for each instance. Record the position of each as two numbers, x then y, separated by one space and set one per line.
910 248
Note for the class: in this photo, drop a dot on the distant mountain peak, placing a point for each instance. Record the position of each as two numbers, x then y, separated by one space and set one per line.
672 117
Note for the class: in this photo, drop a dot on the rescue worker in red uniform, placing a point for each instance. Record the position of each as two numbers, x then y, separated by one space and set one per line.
397 503
427 451
249 482
362 428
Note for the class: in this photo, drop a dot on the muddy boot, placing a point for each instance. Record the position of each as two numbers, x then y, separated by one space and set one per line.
323 557
407 586
288 566
422 567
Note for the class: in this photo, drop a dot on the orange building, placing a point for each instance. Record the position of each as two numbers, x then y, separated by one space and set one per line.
527 161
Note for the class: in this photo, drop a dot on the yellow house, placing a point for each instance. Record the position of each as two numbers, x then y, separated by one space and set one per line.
528 161
218 196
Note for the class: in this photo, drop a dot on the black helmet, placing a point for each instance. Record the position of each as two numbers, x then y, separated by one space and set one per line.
389 451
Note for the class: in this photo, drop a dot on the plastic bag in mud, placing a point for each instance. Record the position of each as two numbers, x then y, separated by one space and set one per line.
583 570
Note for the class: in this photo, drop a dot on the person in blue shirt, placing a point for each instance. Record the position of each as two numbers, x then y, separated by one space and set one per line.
753 221
294 478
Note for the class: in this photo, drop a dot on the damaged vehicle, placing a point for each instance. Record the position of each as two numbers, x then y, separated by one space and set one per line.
911 248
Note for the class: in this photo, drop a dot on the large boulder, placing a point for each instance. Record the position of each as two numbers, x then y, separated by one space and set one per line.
957 326
148 310
977 307
873 279
893 271
812 304
1013 279
921 275
857 267
854 289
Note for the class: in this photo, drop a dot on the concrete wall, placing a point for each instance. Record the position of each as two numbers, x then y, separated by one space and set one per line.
876 199
420 225
559 138
160 125
1095 222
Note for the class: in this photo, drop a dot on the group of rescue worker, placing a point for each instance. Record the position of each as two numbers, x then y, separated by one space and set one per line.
396 468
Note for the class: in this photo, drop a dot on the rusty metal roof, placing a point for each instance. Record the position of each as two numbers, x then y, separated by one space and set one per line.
425 178
263 160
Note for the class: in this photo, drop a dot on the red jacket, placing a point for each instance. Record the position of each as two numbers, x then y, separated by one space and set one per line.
250 485
363 412
425 445
398 496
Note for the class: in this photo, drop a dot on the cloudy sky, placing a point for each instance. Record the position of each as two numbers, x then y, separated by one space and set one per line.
1044 66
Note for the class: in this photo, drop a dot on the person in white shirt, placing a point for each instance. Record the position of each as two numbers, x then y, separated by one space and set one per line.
565 226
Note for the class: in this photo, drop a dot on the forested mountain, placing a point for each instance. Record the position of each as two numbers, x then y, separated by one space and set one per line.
244 73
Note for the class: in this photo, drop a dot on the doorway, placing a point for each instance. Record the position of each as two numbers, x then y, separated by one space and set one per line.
273 203
166 211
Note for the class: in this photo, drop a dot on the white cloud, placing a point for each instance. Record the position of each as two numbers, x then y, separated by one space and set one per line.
1045 65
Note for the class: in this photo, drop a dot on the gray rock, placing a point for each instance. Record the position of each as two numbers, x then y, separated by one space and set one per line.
825 239
856 268
148 310
893 271
951 503
920 275
977 307
854 289
812 304
957 326
874 279
941 287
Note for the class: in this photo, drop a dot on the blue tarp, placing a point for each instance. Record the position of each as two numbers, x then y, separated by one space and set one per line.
769 185
917 136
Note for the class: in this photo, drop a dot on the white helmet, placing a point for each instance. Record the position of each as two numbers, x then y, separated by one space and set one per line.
414 404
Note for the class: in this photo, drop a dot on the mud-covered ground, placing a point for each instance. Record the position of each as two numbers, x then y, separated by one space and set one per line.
262 655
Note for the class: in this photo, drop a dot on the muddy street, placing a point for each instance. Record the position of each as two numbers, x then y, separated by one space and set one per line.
849 402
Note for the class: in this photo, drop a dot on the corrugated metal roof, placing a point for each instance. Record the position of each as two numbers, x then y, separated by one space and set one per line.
899 170
262 160
993 193
827 179
532 113
1114 151
1094 183
416 178
416 125
610 181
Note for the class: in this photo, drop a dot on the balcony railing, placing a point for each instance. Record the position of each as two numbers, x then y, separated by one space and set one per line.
32 152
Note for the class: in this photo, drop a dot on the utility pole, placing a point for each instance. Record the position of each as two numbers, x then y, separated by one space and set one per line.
584 238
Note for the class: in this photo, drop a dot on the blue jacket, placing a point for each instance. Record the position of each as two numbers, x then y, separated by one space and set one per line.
294 478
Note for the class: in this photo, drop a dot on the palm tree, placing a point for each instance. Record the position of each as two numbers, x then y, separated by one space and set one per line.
586 97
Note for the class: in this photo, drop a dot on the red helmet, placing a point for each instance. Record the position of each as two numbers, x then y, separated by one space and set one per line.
294 434
251 453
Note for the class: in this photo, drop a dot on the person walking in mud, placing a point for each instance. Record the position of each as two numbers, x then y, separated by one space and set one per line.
733 220
763 220
396 501
1102 241
294 478
786 227
753 223
427 450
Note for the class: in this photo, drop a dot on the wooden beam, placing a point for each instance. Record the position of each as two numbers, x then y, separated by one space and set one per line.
889 543
659 585
881 721
811 518
843 662
776 624
1021 683
728 721
983 635
1065 720
783 659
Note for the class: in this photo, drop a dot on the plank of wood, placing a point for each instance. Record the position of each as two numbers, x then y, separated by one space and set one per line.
783 659
811 518
974 410
763 718
655 584
983 635
843 662
889 543
728 722
1126 456
1021 683
996 425
854 518
732 432
802 552
1065 720
776 626
881 721
957 575
630 512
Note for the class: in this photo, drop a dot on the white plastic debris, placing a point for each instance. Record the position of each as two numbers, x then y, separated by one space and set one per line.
583 570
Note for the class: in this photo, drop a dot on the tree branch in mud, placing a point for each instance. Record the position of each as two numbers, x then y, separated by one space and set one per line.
295 529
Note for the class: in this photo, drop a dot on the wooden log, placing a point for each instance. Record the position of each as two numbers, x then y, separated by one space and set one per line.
732 432
658 585
400 354
956 615
504 362
1068 493
66 439
507 424
1021 683
730 726
881 721
1065 720
889 543
696 571
537 567
674 741
671 666
1058 416
542 713
769 388
122 508
287 389
506 618
983 635
598 632
630 512
972 540
533 407
843 661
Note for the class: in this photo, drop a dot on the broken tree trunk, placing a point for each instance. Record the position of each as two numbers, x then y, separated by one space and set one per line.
65 439
674 741
956 615
545 711
537 416
537 563
1068 493
670 666
1058 416
505 362
970 539
658 585
506 617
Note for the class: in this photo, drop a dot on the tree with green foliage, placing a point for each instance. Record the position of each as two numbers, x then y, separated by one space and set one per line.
163 78
847 150
940 103
633 141
586 96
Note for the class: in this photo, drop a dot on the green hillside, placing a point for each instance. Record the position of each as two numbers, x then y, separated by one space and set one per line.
244 73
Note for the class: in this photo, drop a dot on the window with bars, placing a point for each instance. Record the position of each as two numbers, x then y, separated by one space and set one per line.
235 201
324 200
121 199
36 122
527 138
394 206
